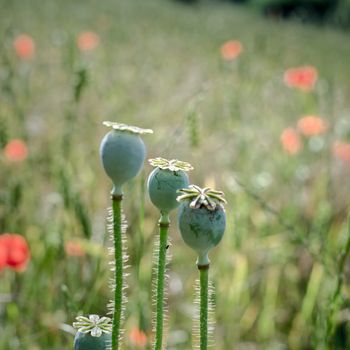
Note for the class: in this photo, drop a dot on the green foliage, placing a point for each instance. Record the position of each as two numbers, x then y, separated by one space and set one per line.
336 12
341 14
193 121
3 133
80 82
72 201
286 8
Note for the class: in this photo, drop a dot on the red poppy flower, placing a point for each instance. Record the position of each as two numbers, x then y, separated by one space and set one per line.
290 140
16 251
16 151
74 248
231 49
341 150
88 41
303 78
138 338
311 125
24 46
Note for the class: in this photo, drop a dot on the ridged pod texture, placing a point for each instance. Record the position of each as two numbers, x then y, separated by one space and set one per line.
163 185
122 155
201 229
85 341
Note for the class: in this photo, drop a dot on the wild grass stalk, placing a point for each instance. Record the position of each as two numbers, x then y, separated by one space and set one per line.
335 301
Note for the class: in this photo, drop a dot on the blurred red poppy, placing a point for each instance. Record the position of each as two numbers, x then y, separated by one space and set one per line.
16 251
138 338
231 50
16 151
74 248
311 125
341 150
88 41
24 46
290 140
303 78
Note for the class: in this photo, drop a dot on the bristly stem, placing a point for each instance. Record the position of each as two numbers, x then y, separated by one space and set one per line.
163 240
118 273
203 315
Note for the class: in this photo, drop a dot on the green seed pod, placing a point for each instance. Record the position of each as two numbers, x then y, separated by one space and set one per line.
84 341
123 153
94 333
165 180
202 220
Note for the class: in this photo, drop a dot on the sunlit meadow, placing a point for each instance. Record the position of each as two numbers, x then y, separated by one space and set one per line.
259 107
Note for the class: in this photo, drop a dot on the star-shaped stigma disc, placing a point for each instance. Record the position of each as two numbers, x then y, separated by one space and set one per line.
172 165
199 197
93 324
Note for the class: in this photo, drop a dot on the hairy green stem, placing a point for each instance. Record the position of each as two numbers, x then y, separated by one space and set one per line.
118 274
203 316
163 240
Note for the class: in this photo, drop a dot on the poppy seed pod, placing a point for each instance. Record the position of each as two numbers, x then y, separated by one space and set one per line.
84 341
122 153
202 220
94 333
164 182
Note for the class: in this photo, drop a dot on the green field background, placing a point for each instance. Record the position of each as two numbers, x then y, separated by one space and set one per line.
158 66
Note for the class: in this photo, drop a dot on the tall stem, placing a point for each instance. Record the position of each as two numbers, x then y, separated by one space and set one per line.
118 274
163 239
203 316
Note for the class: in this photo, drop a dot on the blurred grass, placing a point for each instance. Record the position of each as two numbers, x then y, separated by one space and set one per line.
158 66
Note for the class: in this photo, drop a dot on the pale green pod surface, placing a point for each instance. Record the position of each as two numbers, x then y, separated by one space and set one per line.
163 185
85 341
201 229
122 154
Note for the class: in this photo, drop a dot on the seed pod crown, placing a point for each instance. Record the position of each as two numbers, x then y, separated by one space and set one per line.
94 324
199 197
94 333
